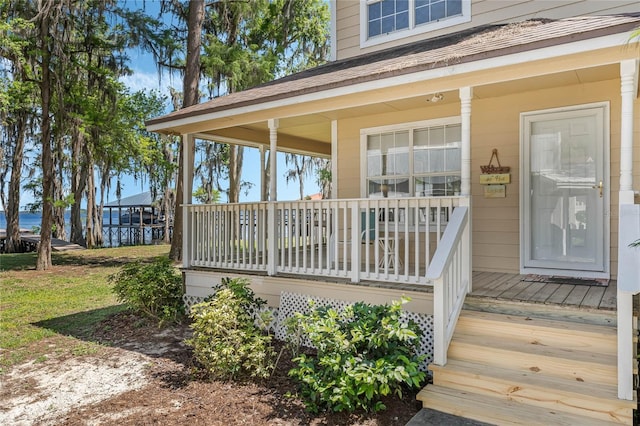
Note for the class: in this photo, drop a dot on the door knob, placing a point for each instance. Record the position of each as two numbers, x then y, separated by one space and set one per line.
599 187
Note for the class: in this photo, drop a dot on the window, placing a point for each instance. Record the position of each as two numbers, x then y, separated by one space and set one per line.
387 20
417 159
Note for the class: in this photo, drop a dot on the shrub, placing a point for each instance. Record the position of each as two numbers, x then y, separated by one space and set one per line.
363 353
225 339
153 290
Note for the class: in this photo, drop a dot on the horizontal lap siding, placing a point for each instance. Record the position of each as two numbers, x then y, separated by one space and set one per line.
496 124
483 12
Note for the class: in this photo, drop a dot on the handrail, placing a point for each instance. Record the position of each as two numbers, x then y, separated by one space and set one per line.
450 275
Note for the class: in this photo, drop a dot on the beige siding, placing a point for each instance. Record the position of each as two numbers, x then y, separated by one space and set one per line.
483 12
200 284
496 124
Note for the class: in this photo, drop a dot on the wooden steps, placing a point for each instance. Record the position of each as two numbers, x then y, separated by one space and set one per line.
511 369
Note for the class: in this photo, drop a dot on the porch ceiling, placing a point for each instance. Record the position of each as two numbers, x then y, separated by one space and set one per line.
311 133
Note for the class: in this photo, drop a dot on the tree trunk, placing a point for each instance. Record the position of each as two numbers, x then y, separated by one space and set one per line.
44 248
190 94
78 185
59 208
91 199
12 214
236 157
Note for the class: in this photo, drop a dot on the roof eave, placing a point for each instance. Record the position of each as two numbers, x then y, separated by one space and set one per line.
544 49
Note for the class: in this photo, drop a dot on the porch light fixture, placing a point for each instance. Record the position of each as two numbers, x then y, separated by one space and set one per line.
436 97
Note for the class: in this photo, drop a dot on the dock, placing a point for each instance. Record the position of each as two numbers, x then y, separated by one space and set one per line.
31 241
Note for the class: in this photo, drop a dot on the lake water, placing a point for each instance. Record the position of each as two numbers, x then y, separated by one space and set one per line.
33 221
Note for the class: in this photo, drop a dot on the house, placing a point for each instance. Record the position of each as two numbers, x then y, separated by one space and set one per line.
525 276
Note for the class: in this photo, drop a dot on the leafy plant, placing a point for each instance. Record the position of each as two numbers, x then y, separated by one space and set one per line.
363 353
226 339
153 290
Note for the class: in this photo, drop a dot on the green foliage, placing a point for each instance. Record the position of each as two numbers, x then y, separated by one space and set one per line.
226 340
153 290
363 353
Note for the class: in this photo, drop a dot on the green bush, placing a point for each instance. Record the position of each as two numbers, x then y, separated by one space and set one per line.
225 339
153 290
363 353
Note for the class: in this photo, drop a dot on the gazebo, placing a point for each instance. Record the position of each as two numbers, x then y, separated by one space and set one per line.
138 220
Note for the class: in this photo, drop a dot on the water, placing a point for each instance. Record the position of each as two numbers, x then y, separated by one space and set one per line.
33 221
112 236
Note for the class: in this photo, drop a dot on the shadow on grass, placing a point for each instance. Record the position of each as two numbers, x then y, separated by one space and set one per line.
81 325
27 261
115 326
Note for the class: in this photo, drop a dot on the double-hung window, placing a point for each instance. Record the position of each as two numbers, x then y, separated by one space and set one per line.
387 20
412 160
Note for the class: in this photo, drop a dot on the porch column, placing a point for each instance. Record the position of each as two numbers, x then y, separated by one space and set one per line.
263 175
466 93
628 93
273 164
272 237
334 159
188 144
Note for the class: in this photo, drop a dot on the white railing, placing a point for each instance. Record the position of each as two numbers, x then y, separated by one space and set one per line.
228 236
450 274
358 239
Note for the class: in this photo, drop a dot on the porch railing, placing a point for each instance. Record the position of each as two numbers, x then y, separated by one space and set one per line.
450 273
357 239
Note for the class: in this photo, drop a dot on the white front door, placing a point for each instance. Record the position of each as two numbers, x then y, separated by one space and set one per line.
565 191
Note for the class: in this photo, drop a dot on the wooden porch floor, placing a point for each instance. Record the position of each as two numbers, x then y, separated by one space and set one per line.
510 287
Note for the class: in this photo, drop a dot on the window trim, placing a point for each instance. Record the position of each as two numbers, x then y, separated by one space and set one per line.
410 126
413 29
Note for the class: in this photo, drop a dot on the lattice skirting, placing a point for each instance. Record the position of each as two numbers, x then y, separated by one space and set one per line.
291 303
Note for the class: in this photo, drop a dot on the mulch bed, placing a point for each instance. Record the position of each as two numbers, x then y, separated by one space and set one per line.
178 394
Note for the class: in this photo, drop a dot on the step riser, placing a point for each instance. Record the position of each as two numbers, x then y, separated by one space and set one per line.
593 342
589 372
549 399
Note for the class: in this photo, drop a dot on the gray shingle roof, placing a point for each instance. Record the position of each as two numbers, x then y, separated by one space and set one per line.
143 199
466 46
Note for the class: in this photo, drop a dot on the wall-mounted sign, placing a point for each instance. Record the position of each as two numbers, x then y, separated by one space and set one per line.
495 191
496 178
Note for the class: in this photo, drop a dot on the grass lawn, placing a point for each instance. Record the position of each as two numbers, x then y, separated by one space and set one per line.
48 313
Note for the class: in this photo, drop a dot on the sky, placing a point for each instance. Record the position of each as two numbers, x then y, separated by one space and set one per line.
145 77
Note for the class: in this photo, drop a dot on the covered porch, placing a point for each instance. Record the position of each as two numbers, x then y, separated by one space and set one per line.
438 225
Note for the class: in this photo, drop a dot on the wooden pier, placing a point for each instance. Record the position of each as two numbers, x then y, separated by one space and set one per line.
29 242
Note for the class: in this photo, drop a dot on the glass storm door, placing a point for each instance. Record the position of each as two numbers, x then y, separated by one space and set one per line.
564 190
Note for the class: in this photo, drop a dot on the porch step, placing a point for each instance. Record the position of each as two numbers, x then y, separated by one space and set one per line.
517 369
524 356
573 397
485 409
538 331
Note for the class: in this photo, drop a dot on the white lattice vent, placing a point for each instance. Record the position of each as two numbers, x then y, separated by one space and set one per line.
291 303
190 300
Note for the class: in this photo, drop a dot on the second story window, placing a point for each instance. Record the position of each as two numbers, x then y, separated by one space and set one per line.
387 20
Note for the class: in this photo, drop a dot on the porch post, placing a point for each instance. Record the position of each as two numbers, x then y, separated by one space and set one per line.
273 164
334 159
466 94
628 93
272 238
263 175
187 183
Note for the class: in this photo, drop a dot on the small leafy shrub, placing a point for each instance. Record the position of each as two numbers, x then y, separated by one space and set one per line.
153 290
226 340
363 353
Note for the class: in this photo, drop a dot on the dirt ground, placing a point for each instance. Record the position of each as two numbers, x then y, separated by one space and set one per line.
145 376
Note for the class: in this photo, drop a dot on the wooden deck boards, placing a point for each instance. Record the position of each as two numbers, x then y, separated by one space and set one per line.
511 287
